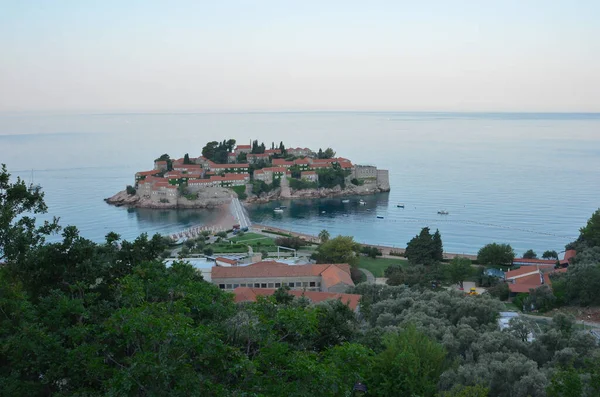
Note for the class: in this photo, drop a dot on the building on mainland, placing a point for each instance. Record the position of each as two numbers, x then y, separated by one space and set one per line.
248 294
271 274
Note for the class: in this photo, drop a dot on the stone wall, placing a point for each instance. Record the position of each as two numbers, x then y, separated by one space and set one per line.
383 180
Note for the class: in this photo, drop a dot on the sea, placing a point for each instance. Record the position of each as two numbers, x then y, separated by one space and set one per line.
527 179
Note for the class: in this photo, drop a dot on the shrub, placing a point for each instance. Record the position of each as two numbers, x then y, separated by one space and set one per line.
300 184
130 190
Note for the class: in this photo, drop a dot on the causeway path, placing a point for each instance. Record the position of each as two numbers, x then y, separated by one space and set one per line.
238 212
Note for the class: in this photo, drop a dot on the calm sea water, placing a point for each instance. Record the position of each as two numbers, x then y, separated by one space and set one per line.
531 180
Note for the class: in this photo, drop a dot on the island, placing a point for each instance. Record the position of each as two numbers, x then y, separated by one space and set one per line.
251 172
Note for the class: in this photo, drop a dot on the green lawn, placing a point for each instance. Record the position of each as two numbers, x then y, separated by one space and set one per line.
249 236
377 266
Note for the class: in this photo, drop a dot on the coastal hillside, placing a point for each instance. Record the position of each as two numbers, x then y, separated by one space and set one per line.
114 318
252 173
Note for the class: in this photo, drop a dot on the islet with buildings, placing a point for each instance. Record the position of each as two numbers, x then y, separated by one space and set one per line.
254 173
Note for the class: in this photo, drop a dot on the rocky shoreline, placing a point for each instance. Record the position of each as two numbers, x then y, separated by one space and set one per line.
222 197
316 193
123 199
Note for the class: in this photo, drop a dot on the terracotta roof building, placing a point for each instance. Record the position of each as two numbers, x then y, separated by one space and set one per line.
271 274
247 294
530 277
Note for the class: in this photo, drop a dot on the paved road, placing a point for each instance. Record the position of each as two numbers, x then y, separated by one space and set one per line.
370 276
238 212
587 323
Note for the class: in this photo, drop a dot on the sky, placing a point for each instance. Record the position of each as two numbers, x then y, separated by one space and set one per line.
266 55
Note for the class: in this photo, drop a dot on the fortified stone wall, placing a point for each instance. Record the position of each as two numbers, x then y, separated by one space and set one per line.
364 171
383 180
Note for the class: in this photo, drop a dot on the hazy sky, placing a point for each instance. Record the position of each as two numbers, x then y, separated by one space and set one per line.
446 55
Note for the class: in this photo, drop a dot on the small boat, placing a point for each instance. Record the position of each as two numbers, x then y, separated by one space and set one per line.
400 205
282 207
278 210
322 212
362 202
345 201
443 212
379 217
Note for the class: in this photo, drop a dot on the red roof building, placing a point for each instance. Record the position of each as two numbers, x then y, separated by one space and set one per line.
247 294
271 274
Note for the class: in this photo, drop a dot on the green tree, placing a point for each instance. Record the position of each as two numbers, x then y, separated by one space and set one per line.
19 233
466 391
458 270
530 254
208 251
410 365
565 383
324 236
550 255
496 255
340 249
425 248
590 233
130 190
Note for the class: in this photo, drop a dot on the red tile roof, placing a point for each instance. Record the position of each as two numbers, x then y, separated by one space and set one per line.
334 275
146 173
230 165
308 173
267 269
523 261
244 147
282 162
524 270
273 151
570 254
301 161
247 294
226 260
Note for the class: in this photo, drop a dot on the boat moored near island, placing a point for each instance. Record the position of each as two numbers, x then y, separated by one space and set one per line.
400 205
443 212
345 201
362 202
278 210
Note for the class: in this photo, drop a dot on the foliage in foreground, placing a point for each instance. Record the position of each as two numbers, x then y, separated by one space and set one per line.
81 318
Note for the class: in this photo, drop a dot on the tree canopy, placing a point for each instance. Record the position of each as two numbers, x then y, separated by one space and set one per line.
341 249
496 255
80 318
425 248
530 254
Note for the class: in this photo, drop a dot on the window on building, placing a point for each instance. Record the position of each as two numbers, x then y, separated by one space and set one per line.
235 286
263 285
277 285
222 286
291 285
312 283
270 285
256 285
242 285
228 286
305 284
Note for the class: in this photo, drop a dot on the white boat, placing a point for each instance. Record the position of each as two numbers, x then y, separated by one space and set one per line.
345 201
443 212
278 210
362 202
